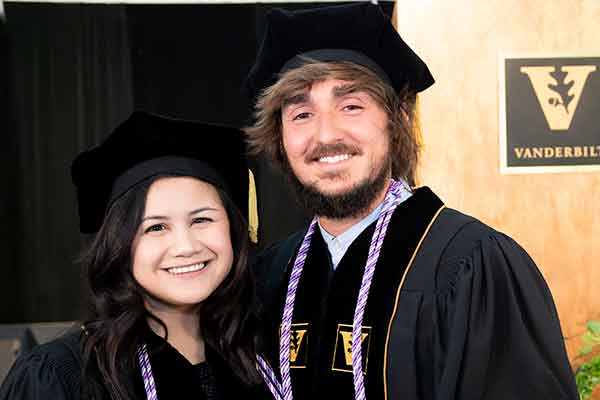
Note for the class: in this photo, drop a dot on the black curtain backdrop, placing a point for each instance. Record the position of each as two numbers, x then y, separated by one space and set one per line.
71 77
9 229
76 70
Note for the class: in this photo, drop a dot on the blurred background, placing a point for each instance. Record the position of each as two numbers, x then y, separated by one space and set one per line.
71 71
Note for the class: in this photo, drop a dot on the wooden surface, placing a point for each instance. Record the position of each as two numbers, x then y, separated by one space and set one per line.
555 217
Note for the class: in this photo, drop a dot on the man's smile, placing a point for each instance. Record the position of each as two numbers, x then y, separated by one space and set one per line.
334 159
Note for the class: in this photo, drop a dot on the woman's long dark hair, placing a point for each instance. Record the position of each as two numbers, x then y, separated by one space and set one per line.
118 317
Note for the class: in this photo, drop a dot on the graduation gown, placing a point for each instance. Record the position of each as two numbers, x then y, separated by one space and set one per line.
456 310
53 371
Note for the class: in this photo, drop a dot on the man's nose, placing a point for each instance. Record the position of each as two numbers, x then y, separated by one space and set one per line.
328 128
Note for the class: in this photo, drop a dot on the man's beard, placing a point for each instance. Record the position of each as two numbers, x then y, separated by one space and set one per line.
349 204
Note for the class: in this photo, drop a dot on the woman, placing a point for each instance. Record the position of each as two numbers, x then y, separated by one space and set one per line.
170 291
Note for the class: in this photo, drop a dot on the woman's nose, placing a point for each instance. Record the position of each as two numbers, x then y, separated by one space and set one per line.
185 244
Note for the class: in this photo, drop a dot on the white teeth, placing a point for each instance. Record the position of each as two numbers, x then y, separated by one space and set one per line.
183 270
334 159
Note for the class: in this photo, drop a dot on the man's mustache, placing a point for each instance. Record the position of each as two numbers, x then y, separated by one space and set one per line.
328 150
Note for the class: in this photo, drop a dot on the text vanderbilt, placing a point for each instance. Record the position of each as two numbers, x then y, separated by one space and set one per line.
558 152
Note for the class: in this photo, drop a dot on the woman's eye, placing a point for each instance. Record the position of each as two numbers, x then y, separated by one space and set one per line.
201 220
154 228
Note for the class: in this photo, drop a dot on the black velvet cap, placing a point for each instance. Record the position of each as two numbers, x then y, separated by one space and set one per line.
146 145
358 32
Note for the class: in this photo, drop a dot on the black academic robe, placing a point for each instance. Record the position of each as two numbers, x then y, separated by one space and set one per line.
53 371
472 319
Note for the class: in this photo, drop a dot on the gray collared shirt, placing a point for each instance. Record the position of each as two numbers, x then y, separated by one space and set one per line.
338 245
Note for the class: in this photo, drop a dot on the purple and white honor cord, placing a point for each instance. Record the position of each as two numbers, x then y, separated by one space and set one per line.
149 385
269 377
397 193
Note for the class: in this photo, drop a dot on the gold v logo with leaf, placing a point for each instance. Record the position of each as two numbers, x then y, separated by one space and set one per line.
296 340
342 355
558 91
299 333
347 342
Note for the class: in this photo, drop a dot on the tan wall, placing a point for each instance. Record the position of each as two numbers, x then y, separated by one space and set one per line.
556 217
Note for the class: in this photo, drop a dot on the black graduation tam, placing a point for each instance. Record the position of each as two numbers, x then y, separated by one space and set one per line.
360 33
146 145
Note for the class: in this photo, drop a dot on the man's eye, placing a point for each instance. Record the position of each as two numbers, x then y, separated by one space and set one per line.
352 107
303 115
155 228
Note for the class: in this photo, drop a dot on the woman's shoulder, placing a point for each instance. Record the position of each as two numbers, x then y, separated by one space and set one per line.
51 370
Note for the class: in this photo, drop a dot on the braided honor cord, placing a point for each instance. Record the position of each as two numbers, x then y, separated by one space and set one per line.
150 387
288 310
397 193
269 377
149 384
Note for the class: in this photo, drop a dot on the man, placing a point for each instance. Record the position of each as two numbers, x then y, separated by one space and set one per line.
388 294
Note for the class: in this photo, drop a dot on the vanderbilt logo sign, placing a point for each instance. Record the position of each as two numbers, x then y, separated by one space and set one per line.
549 110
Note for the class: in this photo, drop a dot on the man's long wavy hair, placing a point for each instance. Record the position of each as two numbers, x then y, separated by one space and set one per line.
118 318
265 136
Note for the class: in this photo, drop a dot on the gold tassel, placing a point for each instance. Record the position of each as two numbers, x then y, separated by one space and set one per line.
252 208
418 132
